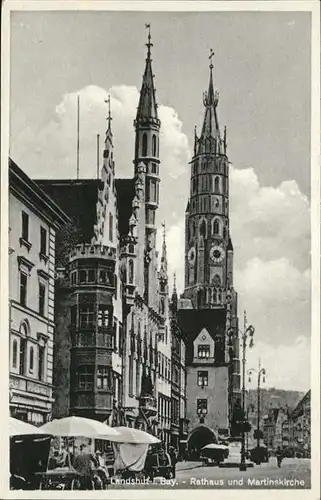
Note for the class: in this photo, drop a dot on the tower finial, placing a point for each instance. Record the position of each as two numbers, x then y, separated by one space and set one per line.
174 284
164 232
148 44
212 53
109 118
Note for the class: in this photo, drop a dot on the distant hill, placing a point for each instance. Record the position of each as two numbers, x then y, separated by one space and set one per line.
274 398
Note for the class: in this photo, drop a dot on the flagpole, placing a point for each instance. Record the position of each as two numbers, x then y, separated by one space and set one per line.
97 156
77 136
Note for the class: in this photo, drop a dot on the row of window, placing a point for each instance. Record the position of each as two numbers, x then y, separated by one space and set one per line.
163 407
217 228
25 233
91 276
145 145
164 367
206 203
87 378
23 293
90 317
206 183
36 358
197 166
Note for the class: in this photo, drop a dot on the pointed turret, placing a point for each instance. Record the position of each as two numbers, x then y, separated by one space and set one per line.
174 301
147 107
108 148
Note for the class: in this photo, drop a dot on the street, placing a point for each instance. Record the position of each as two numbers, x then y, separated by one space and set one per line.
294 474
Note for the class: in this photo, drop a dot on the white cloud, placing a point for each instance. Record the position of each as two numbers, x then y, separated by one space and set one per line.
269 225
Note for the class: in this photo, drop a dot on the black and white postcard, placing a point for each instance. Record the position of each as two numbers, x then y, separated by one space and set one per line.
160 249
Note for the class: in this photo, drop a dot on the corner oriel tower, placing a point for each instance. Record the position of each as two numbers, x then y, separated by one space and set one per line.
208 311
147 126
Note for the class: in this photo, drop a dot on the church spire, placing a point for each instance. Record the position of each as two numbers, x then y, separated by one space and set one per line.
209 141
147 107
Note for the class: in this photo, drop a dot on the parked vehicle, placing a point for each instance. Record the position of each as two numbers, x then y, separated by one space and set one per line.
28 457
214 454
158 464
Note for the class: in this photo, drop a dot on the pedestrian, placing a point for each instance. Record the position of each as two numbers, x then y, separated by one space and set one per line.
102 471
173 455
85 464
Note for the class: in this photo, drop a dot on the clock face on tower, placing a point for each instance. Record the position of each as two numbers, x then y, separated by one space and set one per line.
217 254
191 256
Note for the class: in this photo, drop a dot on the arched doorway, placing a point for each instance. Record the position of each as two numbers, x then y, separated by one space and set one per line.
199 437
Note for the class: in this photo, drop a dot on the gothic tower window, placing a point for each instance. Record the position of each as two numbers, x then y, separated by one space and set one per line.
217 185
154 145
144 144
203 229
216 227
131 271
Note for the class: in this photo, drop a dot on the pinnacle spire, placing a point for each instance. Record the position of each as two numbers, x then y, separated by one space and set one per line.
174 285
109 117
147 107
164 250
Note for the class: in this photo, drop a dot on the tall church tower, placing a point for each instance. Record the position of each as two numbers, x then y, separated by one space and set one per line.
147 126
208 309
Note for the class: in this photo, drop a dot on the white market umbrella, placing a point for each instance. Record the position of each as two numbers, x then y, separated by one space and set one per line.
79 426
133 436
213 446
19 428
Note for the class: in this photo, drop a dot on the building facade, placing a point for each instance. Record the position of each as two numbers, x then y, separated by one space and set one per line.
34 220
207 312
179 421
296 429
113 340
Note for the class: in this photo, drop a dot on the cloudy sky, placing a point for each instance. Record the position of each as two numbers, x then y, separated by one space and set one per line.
262 71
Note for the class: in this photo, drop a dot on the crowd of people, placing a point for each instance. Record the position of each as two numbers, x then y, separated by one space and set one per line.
92 468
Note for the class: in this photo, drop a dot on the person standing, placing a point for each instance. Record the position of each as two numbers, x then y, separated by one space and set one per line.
173 455
85 464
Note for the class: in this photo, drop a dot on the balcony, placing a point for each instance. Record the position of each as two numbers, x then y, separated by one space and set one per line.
148 405
99 402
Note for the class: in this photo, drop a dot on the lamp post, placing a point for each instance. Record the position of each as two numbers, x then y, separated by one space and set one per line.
248 333
261 372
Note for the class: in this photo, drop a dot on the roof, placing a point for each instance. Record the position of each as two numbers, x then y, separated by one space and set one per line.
210 124
192 321
147 107
29 191
78 198
125 192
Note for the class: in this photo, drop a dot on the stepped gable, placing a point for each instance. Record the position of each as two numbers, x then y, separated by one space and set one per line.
125 194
